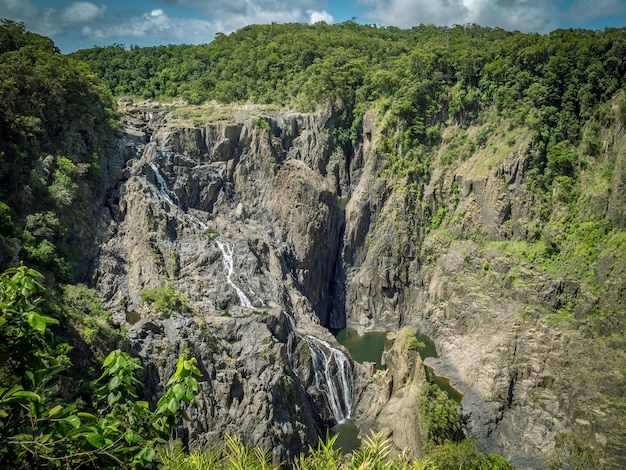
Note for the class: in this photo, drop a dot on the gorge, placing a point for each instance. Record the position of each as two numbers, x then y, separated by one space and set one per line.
257 235
464 185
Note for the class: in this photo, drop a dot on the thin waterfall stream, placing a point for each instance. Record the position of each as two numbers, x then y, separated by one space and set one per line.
163 188
225 248
165 192
228 260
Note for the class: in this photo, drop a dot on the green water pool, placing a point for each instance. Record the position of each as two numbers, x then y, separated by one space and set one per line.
369 347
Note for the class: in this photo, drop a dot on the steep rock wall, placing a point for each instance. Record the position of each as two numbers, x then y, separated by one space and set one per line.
529 383
242 207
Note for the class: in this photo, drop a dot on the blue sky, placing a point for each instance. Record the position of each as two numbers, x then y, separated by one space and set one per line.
80 24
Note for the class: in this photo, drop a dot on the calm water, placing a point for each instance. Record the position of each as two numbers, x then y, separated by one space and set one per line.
369 348
347 436
366 348
444 384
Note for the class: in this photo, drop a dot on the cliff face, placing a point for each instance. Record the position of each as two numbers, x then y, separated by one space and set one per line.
257 217
240 220
537 389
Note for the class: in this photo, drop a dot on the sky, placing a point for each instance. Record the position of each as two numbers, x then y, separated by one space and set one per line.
74 25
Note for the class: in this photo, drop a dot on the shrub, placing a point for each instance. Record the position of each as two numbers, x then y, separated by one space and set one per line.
439 419
165 300
40 427
408 340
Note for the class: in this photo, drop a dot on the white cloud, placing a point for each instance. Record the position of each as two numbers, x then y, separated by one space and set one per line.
80 12
406 13
318 16
155 24
235 14
249 8
523 15
51 21
18 10
224 17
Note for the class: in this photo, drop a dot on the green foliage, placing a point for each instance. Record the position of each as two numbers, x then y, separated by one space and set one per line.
439 419
83 300
622 111
24 332
83 310
7 226
452 456
408 340
183 387
377 453
41 427
242 457
437 219
172 456
165 300
572 452
560 160
56 120
325 455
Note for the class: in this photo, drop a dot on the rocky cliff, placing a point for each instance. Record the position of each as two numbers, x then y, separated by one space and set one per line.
253 219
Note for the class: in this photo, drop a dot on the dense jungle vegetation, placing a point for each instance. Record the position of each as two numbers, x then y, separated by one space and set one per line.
58 118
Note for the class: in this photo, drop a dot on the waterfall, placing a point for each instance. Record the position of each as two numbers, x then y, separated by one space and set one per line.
227 259
165 192
332 368
333 376
202 225
292 324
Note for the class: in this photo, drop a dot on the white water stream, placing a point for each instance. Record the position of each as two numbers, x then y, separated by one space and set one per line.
165 192
227 259
333 373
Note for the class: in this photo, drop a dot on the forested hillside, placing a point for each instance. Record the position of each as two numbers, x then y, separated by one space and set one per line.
56 121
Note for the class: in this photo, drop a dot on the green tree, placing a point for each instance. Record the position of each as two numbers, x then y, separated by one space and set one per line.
439 419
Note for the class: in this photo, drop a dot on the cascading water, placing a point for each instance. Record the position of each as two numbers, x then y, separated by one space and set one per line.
165 194
333 375
225 248
333 372
291 323
163 188
332 368
227 259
